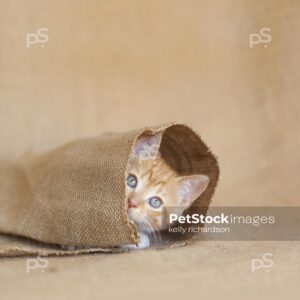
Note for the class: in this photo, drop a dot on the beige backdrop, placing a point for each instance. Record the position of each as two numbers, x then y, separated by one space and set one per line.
118 65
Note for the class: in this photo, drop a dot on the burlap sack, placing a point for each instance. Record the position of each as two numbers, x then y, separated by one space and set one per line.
75 194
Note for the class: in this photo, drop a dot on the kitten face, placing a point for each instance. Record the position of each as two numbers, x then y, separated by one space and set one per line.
152 187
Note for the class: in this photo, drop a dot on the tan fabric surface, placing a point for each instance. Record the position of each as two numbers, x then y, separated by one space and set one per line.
119 65
204 270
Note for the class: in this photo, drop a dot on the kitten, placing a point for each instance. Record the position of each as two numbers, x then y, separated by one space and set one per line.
152 188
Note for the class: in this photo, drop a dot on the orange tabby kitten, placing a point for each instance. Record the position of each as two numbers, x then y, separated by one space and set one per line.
152 188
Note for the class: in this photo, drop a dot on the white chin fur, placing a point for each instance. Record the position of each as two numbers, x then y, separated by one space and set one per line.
136 216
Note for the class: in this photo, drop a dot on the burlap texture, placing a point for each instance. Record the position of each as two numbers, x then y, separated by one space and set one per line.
75 194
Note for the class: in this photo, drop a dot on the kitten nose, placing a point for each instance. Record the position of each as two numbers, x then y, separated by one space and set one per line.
131 203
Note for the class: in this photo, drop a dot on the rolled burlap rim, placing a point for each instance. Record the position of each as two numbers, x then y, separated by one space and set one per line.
75 194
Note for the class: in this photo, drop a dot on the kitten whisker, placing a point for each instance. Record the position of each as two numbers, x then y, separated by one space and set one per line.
153 231
157 232
147 227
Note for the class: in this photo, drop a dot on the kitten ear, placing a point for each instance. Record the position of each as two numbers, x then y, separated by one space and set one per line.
190 188
147 146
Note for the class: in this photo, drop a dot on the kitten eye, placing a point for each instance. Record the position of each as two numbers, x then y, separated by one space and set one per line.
131 181
155 202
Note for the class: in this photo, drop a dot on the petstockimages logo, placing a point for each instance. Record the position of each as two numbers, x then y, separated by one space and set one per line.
40 37
237 223
262 37
220 223
221 219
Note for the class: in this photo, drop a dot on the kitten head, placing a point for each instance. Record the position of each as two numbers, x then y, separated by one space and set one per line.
153 188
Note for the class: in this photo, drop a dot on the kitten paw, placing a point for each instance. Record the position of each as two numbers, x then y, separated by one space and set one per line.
144 242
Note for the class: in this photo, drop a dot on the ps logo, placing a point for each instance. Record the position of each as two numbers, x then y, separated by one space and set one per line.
262 37
40 37
266 262
36 263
